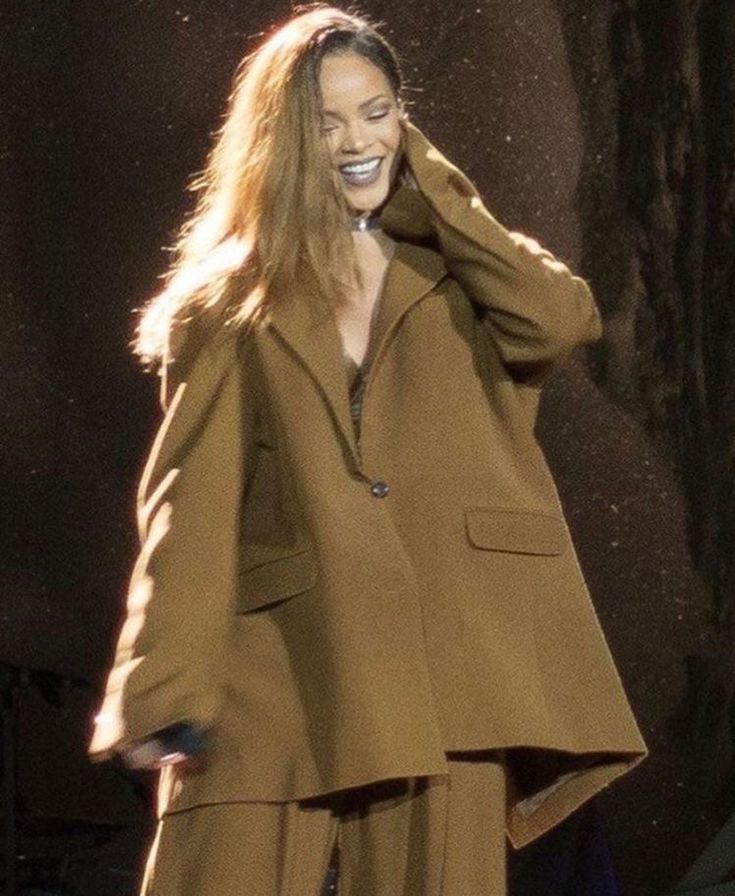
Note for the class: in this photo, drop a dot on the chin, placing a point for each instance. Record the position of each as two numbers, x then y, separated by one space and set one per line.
367 204
367 200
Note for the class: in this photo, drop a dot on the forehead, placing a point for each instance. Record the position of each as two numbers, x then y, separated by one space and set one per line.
348 79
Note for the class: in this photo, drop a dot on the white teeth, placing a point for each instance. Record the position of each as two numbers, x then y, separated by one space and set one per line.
360 167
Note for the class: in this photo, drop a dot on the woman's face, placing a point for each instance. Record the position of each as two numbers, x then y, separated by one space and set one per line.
361 125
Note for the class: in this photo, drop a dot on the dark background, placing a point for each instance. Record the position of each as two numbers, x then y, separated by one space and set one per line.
606 129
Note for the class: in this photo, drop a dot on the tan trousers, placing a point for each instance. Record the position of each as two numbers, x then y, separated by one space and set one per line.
415 837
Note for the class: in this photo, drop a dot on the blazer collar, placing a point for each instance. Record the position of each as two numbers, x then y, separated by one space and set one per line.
314 337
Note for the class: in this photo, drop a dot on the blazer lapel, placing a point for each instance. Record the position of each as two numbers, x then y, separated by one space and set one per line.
412 273
312 333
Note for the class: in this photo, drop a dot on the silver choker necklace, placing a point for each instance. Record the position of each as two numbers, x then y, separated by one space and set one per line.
365 221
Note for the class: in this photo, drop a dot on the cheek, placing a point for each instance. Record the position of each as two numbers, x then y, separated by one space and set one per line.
332 142
330 160
394 143
392 137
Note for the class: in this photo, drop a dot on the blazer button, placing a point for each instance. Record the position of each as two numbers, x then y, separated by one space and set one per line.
379 489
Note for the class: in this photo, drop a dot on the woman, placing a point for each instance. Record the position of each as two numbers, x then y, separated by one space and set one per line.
357 619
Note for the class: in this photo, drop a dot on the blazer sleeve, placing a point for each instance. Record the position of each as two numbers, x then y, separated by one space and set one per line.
181 596
536 309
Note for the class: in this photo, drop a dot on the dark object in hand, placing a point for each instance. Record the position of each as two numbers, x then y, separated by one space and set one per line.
175 743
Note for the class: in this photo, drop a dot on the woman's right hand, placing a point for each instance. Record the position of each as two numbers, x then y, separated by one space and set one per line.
406 177
182 742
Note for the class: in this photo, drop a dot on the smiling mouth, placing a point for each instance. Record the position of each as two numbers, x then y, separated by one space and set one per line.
359 174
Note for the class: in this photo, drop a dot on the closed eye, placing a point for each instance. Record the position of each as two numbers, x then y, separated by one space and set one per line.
376 116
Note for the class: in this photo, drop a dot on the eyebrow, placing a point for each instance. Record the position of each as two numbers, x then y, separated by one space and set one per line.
361 106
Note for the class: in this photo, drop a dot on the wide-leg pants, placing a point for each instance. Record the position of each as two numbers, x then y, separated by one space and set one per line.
439 836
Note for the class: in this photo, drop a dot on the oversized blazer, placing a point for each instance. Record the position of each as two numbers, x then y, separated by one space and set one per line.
340 610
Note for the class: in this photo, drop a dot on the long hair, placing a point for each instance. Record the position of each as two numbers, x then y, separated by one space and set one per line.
269 212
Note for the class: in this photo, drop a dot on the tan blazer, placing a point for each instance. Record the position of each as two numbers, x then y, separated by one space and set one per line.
341 613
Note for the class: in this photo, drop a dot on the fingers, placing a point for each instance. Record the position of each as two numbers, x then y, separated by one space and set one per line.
407 175
150 757
530 245
408 179
179 744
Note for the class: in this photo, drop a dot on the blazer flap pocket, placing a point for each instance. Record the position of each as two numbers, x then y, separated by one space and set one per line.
516 531
275 580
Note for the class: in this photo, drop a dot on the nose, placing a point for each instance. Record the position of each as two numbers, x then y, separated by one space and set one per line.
355 139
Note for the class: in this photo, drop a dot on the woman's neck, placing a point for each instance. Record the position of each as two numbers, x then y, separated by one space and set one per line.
368 242
373 252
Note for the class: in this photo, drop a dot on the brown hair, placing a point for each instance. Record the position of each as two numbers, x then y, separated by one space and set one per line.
269 211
